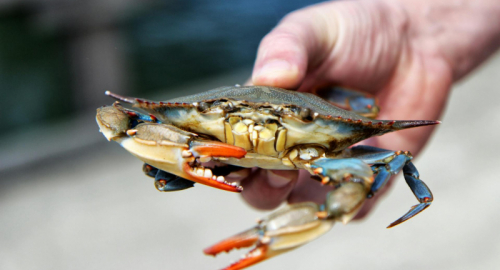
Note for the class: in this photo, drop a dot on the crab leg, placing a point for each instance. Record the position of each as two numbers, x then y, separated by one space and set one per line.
134 115
387 163
282 231
358 102
352 178
165 181
354 181
294 225
340 170
216 149
298 224
168 148
419 189
244 239
181 160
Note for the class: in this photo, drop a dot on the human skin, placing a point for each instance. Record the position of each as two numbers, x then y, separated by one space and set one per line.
407 53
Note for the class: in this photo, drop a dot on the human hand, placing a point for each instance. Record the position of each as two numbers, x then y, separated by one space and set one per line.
406 53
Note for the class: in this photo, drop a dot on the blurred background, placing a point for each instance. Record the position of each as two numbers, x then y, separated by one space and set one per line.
70 200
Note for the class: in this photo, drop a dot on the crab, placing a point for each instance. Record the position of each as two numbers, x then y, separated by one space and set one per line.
270 128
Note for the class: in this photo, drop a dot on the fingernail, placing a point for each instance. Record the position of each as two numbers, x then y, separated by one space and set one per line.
279 179
277 68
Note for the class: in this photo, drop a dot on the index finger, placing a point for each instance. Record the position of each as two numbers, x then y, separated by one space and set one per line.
286 53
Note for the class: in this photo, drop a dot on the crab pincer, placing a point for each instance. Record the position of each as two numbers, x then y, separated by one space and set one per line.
166 147
206 150
282 231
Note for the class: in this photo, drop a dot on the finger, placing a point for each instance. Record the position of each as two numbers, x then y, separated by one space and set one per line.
238 176
267 189
285 54
308 190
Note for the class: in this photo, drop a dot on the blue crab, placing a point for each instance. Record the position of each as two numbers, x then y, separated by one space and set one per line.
270 128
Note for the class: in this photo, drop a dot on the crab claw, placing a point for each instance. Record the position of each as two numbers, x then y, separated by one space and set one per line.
179 158
278 233
167 147
216 149
207 150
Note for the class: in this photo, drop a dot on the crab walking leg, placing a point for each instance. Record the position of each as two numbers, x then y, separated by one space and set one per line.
388 163
419 189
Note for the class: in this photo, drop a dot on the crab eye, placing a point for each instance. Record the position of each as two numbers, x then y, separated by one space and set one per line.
228 106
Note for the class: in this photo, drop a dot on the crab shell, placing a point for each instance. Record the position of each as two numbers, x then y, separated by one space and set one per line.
269 123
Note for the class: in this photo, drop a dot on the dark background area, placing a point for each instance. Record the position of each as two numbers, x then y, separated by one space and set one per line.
57 57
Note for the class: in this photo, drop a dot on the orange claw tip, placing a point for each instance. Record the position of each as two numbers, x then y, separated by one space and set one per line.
217 149
226 245
210 180
253 257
